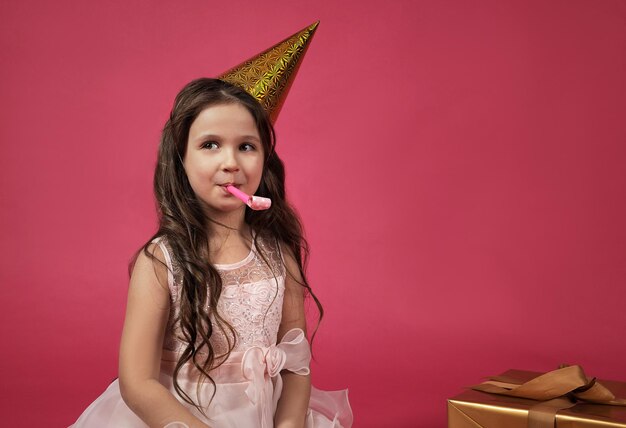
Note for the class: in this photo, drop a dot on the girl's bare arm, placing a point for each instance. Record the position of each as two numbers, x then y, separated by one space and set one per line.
147 314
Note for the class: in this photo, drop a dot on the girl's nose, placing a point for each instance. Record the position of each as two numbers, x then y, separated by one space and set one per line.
229 162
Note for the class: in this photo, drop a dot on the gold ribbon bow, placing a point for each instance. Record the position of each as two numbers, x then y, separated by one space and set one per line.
557 390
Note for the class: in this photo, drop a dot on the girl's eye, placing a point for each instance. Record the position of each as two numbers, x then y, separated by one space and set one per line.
211 145
247 147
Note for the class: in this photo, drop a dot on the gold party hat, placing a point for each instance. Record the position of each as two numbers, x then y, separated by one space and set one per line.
269 75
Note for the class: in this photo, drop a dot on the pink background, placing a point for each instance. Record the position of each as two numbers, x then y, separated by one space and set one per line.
482 143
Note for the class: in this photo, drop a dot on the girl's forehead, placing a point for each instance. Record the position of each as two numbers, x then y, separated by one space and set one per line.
224 119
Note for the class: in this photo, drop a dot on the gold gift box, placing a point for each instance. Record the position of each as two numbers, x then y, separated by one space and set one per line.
475 409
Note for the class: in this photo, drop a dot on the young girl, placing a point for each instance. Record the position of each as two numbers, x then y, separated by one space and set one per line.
215 331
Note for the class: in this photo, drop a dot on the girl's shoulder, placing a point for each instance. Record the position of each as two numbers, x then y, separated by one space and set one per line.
160 248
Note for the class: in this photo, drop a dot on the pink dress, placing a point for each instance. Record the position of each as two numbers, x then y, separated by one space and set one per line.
248 384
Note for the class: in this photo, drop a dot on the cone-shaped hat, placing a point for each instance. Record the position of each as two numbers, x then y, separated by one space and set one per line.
269 75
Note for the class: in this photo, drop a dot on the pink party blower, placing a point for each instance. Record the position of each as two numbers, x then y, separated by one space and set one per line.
257 203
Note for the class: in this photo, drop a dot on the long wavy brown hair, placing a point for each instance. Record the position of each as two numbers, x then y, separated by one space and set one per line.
184 224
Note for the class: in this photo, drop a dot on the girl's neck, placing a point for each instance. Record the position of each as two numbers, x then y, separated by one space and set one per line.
221 221
220 231
221 226
227 244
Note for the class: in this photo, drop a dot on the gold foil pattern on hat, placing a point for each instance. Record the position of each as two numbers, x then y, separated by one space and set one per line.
269 75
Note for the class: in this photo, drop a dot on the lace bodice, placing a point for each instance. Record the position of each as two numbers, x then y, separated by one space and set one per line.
251 300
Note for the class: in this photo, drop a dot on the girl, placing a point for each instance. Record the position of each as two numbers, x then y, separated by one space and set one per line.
215 332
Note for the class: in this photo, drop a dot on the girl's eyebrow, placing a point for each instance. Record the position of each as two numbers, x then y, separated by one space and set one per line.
207 137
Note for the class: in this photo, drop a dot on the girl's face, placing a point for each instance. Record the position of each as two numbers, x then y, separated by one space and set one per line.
223 148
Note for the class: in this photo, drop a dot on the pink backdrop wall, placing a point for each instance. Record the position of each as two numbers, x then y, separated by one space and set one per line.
487 139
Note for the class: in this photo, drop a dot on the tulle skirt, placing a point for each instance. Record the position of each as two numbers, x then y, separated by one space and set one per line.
245 396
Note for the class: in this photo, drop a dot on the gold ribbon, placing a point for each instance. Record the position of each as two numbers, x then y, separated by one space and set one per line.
557 390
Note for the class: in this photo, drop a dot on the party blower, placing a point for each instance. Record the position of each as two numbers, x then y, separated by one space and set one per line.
255 202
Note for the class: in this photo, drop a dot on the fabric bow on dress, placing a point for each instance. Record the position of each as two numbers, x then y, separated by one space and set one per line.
262 367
